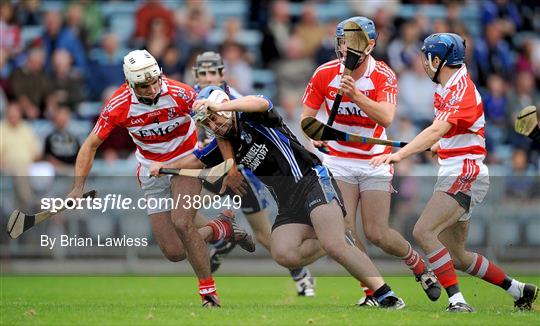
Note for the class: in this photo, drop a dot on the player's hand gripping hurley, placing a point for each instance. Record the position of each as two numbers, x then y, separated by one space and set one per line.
211 175
317 130
19 222
357 42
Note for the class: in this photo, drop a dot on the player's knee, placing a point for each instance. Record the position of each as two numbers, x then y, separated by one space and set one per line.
286 257
375 236
182 225
421 234
458 259
174 254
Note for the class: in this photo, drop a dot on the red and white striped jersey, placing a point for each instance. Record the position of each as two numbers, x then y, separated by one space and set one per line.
379 83
459 103
163 132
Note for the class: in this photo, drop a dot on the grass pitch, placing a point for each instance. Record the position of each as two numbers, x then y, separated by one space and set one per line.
133 300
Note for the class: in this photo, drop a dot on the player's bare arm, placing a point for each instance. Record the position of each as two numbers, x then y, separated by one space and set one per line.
83 164
381 112
426 139
234 179
248 103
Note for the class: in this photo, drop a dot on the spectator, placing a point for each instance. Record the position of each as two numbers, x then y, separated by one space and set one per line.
75 23
238 73
309 29
520 181
30 84
67 84
526 60
10 31
172 63
402 51
19 148
495 101
61 146
93 21
525 93
276 33
232 28
492 54
415 97
505 12
58 37
106 67
327 48
146 15
294 70
192 34
28 13
385 29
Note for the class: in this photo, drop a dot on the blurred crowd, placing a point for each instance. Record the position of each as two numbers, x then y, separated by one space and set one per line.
60 60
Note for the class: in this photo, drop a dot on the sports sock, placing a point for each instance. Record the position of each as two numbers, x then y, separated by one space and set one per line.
367 291
443 267
220 229
515 289
414 261
384 291
299 273
207 286
458 297
488 271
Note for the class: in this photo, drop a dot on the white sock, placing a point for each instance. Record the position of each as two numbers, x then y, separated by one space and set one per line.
458 297
515 289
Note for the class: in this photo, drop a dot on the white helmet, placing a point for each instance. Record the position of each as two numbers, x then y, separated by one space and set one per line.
140 67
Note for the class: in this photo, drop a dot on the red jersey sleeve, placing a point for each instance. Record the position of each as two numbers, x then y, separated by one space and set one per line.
314 93
107 119
456 108
183 94
386 88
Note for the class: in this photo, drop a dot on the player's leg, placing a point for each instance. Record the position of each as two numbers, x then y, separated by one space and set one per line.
351 195
475 264
328 223
166 237
294 245
197 253
375 207
441 212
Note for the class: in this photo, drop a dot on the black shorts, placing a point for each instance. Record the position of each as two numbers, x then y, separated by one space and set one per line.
255 199
313 190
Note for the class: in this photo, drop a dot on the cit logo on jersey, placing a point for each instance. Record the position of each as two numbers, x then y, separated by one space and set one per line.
246 137
157 132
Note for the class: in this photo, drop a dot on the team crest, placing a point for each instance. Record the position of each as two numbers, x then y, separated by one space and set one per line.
171 113
246 137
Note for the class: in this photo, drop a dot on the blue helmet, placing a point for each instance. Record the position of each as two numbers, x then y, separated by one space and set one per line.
365 23
447 46
205 92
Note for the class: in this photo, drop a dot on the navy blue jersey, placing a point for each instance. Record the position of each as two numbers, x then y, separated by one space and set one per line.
265 145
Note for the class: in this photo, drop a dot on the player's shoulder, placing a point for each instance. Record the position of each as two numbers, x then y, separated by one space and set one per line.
180 90
119 101
382 68
329 68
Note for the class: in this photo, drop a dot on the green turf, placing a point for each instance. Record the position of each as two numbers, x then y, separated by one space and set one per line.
135 300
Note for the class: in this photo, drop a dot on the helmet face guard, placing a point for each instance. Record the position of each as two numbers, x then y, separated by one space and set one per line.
141 68
353 38
219 123
208 63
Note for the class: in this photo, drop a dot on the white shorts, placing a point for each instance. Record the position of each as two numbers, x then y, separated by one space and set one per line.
471 178
154 189
361 173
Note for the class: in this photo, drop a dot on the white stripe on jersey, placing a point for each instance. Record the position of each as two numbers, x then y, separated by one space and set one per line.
164 147
463 140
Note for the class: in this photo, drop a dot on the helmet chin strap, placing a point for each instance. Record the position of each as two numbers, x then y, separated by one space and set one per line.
443 62
148 101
